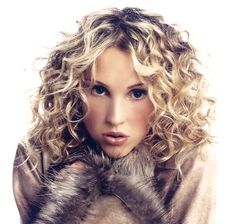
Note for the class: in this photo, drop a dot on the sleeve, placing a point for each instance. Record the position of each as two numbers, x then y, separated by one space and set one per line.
27 180
194 201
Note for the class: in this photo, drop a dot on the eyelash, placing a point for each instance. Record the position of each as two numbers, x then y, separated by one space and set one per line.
95 90
99 90
143 93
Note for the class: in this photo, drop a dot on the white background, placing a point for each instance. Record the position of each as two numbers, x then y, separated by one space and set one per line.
28 28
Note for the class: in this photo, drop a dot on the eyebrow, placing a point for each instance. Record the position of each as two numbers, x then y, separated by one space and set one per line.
129 87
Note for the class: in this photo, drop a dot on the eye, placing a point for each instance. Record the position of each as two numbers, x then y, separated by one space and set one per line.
98 90
138 94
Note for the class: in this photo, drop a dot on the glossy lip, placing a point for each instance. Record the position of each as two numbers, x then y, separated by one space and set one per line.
114 138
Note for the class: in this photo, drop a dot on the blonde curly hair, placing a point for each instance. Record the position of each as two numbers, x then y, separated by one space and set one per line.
163 58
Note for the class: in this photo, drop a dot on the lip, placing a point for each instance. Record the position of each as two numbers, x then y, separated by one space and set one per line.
114 138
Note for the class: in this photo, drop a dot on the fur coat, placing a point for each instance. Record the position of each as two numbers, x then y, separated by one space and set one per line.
102 191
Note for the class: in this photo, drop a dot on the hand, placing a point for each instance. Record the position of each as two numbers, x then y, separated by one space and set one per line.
78 164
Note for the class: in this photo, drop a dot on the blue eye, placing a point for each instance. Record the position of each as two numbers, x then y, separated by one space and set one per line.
98 90
138 93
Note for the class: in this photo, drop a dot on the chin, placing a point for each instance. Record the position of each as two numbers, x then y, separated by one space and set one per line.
116 153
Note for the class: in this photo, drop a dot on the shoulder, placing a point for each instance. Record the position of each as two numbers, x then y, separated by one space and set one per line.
196 188
198 162
193 162
27 178
197 166
25 161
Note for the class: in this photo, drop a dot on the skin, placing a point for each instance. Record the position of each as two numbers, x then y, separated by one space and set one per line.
117 102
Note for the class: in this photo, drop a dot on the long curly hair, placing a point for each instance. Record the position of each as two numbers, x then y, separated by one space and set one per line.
163 58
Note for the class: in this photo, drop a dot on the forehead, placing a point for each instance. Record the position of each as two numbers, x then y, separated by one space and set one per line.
114 59
115 64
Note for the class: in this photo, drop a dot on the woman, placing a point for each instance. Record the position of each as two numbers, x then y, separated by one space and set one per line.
120 128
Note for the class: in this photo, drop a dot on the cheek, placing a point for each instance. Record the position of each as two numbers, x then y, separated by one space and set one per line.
141 115
94 115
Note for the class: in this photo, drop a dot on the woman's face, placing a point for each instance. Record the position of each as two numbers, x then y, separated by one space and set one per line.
118 104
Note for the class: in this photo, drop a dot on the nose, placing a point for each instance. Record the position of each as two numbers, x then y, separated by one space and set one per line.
115 114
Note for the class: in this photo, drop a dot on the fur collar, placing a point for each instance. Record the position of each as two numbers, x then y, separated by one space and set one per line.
75 195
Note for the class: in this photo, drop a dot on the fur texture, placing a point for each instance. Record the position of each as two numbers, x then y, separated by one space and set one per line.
104 191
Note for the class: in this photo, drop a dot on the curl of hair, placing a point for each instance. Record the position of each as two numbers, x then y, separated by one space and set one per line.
163 59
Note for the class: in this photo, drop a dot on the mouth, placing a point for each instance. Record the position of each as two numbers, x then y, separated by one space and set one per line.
115 138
